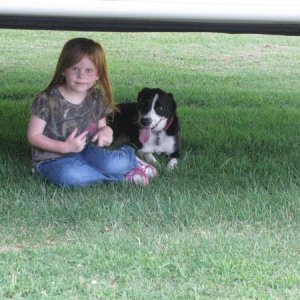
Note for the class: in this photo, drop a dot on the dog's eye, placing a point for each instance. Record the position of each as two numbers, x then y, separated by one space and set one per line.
159 108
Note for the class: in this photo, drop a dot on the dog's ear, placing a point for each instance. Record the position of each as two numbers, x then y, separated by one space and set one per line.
172 101
142 92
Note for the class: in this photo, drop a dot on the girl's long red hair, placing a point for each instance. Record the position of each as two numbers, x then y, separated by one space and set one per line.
73 51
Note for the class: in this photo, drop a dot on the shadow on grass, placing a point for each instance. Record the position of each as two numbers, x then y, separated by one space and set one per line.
221 147
15 152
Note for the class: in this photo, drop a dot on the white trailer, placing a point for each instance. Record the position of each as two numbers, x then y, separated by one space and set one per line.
231 16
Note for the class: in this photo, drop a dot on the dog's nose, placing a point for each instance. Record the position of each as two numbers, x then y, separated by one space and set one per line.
145 121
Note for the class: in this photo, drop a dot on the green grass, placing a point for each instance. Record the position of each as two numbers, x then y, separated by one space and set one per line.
223 225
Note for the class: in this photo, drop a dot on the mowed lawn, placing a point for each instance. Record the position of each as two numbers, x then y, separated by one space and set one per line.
223 225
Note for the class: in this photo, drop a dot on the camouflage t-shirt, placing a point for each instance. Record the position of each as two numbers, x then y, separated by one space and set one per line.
62 117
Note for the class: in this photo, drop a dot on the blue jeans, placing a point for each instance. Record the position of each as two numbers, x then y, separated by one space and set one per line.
92 165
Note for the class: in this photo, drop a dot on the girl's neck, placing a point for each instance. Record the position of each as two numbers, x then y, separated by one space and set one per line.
71 96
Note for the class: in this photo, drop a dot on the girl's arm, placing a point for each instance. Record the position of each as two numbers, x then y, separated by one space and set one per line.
104 135
36 137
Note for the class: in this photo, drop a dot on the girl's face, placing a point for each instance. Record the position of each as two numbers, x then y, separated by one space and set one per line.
81 76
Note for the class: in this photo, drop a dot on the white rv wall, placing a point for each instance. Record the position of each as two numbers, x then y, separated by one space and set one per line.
237 11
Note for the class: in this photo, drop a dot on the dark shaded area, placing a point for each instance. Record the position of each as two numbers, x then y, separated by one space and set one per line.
142 25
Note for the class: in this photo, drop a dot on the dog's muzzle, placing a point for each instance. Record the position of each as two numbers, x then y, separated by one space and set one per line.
145 122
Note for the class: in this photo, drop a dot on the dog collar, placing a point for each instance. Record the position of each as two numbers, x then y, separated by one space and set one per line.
169 123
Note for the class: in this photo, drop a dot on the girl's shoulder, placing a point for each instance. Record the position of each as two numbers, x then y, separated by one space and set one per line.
99 102
41 98
44 98
96 94
40 105
96 98
47 94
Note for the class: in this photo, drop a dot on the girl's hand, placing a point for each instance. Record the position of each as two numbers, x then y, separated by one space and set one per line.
104 136
36 138
76 143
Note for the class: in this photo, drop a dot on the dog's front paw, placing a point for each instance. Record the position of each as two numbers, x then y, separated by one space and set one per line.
172 164
149 157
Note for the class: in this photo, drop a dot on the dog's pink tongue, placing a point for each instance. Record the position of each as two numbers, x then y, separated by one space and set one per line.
144 135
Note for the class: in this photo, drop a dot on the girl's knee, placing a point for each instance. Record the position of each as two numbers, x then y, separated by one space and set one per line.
125 161
117 165
112 162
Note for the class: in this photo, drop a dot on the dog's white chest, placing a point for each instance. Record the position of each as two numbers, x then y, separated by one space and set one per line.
159 143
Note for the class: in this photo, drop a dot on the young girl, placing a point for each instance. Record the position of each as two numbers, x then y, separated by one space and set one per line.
68 129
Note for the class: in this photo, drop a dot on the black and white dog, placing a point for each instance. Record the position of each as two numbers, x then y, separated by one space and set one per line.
151 124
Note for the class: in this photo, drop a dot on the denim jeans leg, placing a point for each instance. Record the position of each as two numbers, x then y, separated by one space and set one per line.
72 171
111 162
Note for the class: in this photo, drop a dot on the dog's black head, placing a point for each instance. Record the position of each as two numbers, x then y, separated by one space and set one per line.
155 108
